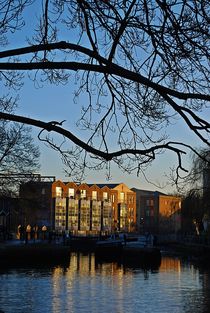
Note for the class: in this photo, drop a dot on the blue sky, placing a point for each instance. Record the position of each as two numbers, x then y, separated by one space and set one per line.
56 103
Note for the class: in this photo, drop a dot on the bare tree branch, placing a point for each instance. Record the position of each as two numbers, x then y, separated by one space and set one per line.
138 64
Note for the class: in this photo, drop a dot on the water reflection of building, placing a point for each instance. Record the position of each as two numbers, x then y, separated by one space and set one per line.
85 279
84 208
170 264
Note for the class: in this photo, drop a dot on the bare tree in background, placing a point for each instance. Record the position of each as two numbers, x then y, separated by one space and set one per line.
140 65
199 177
200 168
18 153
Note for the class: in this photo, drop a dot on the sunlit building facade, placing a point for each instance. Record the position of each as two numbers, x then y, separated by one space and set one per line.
157 212
98 208
90 208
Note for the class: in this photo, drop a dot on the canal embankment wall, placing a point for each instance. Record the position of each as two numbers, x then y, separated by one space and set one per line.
193 248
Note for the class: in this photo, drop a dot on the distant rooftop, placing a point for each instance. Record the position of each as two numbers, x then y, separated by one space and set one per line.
111 186
144 192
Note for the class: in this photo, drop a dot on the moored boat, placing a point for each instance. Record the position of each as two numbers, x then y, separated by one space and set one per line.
138 251
110 248
80 243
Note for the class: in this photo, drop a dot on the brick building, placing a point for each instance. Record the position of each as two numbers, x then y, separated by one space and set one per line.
79 208
157 212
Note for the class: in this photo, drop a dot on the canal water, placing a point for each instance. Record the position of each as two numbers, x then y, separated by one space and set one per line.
86 286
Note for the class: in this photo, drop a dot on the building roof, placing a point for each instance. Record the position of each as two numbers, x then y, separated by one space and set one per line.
111 186
143 192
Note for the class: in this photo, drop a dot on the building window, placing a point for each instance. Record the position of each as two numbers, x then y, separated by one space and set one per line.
105 196
58 191
122 197
73 214
43 191
85 215
94 195
150 202
83 193
96 216
71 193
131 199
113 198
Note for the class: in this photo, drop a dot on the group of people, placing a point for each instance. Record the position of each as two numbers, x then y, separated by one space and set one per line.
31 232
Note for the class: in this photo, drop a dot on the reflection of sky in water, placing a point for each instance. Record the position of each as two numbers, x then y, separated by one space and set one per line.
108 287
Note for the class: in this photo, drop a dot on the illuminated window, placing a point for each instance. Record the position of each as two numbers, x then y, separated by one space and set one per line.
105 195
58 191
94 195
73 214
71 192
113 198
122 197
85 215
83 193
96 216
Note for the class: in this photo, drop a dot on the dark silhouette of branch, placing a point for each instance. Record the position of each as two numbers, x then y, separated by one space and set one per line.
52 126
112 68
